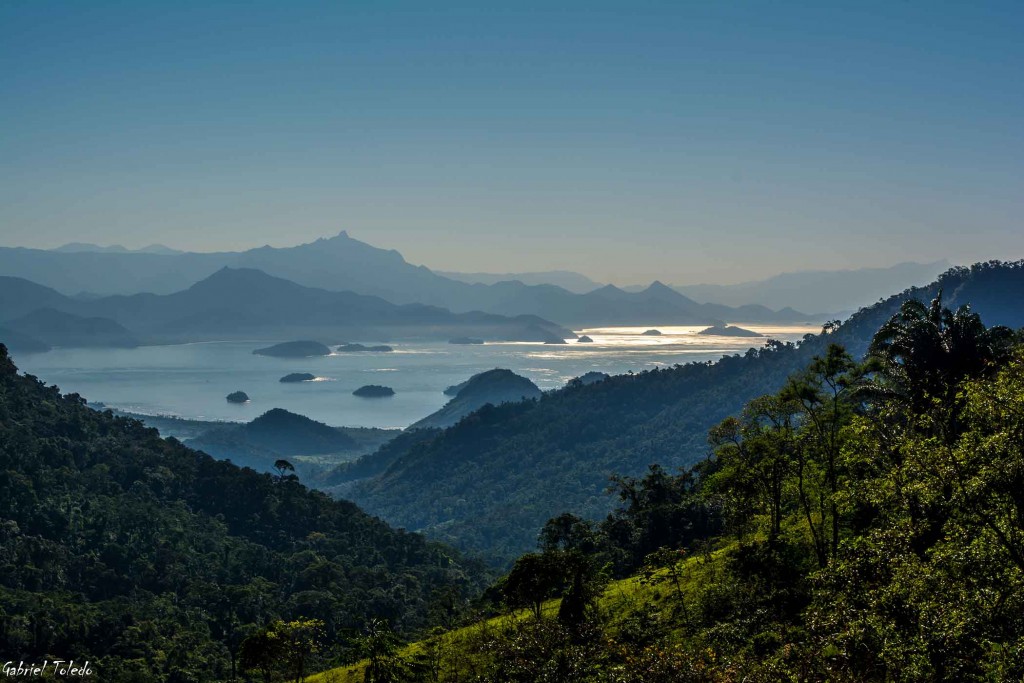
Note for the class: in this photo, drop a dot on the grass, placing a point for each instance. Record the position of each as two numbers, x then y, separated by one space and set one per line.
455 648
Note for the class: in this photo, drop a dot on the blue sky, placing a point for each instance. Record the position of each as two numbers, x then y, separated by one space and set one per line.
686 141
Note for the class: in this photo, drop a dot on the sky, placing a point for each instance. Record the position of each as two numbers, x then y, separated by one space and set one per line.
683 141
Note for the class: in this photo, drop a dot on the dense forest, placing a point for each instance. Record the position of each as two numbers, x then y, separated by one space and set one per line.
865 522
159 563
489 483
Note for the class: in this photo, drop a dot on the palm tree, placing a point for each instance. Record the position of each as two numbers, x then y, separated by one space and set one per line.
924 353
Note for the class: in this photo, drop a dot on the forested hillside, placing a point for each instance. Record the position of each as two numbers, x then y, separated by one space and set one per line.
155 561
863 523
491 481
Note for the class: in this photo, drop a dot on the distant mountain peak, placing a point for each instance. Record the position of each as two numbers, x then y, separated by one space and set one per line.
659 286
249 279
340 237
610 289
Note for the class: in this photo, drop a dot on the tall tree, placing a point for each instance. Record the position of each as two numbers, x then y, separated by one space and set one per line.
924 352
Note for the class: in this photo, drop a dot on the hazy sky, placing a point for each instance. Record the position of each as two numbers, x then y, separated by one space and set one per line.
685 141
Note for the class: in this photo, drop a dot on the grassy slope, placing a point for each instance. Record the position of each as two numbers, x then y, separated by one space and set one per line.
621 599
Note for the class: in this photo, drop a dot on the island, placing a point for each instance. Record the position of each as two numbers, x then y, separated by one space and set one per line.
465 340
237 397
493 386
538 333
652 333
373 391
729 331
356 348
298 377
584 340
295 349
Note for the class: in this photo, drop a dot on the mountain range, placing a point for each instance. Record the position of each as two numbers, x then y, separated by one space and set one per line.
247 303
839 292
344 264
577 283
835 292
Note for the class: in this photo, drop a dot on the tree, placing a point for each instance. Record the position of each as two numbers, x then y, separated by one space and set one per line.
568 532
586 582
261 653
668 560
379 645
299 642
282 646
285 470
825 394
533 579
923 353
757 455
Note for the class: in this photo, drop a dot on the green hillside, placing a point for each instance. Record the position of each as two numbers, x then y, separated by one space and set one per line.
156 562
489 483
463 653
863 523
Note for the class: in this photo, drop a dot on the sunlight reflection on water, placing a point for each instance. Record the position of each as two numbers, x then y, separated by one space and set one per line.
191 380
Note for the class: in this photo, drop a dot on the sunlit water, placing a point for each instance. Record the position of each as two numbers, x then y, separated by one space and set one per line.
191 380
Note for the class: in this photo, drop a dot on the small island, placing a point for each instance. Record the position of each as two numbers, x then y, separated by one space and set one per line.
652 333
237 397
357 348
298 377
584 340
538 333
465 340
373 391
729 331
295 349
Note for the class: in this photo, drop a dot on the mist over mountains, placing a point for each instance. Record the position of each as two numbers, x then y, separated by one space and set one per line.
240 303
832 291
79 247
344 264
577 283
836 293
